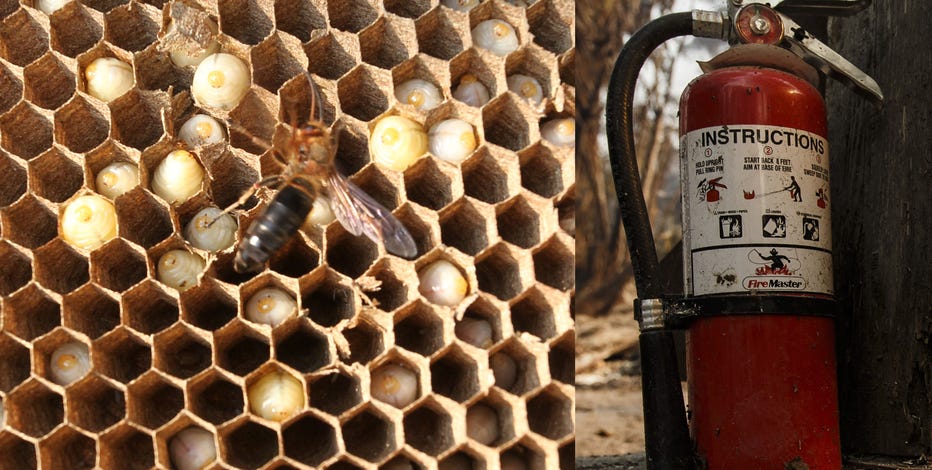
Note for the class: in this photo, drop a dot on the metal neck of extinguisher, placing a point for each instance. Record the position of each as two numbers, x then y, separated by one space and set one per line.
667 441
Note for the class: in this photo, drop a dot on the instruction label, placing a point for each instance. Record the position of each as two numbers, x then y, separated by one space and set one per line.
756 210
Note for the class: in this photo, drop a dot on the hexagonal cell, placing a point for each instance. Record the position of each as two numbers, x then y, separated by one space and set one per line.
427 185
498 273
550 413
344 465
439 34
461 460
310 440
67 448
81 124
295 259
25 132
455 375
33 409
132 27
335 393
550 25
152 401
215 399
380 186
505 124
15 176
352 149
366 342
118 265
11 88
121 355
423 67
273 63
17 268
535 62
429 428
126 447
249 444
245 20
393 291
328 297
419 329
402 461
421 224
91 311
523 362
485 178
136 117
299 18
240 349
148 308
75 29
351 15
518 223
44 350
465 226
349 254
59 267
95 405
370 435
30 313
15 452
483 309
22 38
568 68
566 212
54 176
143 219
561 359
407 8
14 363
208 305
491 421
181 352
303 348
534 315
541 172
387 43
49 82
554 264
361 92
156 71
333 54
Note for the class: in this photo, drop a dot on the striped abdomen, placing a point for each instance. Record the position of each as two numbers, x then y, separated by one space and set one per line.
277 224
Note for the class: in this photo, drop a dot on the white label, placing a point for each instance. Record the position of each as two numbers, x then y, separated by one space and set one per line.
756 211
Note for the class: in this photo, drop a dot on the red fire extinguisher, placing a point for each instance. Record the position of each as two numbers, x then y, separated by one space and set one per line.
758 306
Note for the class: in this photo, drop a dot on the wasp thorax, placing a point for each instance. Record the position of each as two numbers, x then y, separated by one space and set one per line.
559 132
69 362
421 94
88 222
177 177
452 140
179 269
442 283
471 91
220 81
397 142
117 178
395 385
270 306
108 78
192 449
495 35
276 396
526 87
200 130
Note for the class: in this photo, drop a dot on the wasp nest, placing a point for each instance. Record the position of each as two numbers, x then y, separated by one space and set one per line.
113 356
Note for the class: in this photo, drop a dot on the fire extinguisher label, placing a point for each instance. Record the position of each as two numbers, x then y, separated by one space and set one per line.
756 210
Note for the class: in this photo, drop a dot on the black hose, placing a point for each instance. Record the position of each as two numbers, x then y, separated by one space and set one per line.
666 433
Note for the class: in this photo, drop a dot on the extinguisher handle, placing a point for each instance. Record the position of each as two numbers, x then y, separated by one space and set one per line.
821 7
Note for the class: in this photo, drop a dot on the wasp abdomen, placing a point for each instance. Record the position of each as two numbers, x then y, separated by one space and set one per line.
277 224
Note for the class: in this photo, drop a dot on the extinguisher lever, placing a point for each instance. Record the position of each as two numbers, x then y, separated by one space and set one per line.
821 7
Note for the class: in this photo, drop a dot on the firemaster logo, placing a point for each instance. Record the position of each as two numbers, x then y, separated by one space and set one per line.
770 283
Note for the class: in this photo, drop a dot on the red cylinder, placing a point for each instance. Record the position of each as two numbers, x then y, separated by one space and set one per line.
762 387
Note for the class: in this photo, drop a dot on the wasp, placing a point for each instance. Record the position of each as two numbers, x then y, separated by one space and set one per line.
309 173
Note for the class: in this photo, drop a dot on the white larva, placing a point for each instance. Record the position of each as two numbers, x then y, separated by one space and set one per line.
505 370
211 230
482 424
474 331
88 222
276 396
471 91
108 78
179 269
177 177
442 283
50 6
560 132
220 81
421 94
270 306
69 362
495 35
452 140
395 385
460 5
321 214
117 178
200 130
192 449
526 87
397 142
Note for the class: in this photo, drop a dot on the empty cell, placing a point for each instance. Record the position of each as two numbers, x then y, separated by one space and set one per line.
541 171
231 176
561 357
428 185
240 350
274 63
208 305
534 315
11 88
25 131
67 448
310 440
344 465
252 123
152 401
351 15
295 259
221 268
16 452
180 352
296 96
407 8
90 311
370 435
132 27
328 297
33 409
566 212
299 18
144 220
22 38
550 413
505 124
568 68
249 445
441 34
349 254
498 273
148 309
387 43
465 226
156 71
554 264
365 341
485 177
335 393
54 176
461 460
418 329
75 29
245 20
14 185
551 25
362 92
118 266
17 268
136 118
567 453
423 232
14 363
518 223
333 54
429 429
95 405
126 447
393 290
216 399
30 312
49 81
121 355
81 125
455 375
304 349
521 457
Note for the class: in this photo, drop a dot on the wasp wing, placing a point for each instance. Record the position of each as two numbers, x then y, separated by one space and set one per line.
360 214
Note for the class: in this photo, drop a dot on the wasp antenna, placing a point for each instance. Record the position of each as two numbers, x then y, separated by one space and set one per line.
254 138
315 99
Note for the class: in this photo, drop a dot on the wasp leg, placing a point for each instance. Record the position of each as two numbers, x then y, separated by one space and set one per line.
259 141
267 181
